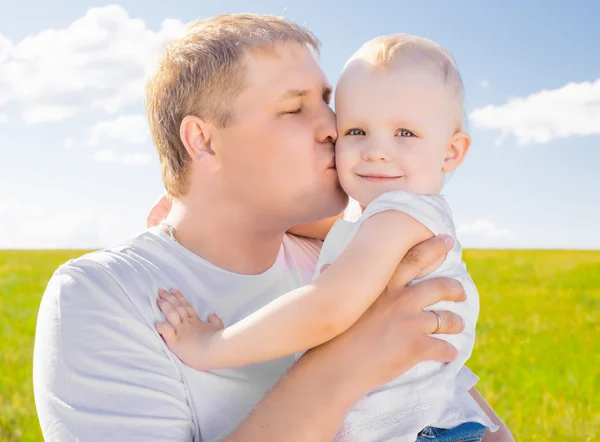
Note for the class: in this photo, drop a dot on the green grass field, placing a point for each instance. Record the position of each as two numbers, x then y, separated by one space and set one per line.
537 354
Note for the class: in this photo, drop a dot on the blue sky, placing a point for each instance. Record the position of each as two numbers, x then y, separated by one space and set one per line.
78 169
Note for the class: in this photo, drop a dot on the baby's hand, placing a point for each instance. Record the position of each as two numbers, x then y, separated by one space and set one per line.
186 335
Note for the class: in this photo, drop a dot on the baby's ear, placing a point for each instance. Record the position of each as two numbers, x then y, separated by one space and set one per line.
457 150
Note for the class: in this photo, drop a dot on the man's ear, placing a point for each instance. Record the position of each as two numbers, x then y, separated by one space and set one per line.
197 135
457 150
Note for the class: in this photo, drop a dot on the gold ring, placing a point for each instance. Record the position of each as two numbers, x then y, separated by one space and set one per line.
439 322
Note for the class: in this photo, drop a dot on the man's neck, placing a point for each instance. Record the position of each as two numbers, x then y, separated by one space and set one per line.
225 238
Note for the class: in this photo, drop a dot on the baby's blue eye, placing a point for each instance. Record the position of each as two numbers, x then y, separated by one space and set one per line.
355 132
405 133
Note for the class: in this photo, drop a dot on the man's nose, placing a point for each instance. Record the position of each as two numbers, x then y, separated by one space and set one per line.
326 129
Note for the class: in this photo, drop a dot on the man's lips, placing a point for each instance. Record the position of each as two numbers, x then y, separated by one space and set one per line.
331 164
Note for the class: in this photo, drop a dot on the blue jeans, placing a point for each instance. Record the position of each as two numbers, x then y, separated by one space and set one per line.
467 432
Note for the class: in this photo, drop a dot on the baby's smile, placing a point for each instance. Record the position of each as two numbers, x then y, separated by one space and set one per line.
379 177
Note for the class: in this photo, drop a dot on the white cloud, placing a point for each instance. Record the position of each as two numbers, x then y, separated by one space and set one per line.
37 227
136 158
3 118
6 47
69 143
483 227
99 61
124 130
106 156
571 110
484 84
129 128
44 113
111 156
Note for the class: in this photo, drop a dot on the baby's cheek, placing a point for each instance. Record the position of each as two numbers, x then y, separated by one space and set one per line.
344 157
427 180
345 165
345 177
348 154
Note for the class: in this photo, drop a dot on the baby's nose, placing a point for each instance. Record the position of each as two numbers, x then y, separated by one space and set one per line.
376 153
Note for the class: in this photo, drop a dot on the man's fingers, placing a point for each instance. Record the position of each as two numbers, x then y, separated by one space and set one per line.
164 202
431 291
438 350
421 257
450 323
433 266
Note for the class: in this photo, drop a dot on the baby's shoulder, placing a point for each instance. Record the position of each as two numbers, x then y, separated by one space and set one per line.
433 211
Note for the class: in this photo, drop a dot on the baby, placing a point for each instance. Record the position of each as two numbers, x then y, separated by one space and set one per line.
400 121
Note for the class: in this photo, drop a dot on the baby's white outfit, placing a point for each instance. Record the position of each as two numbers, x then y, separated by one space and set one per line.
431 393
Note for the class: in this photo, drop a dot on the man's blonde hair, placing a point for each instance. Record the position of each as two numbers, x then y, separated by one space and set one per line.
385 50
201 73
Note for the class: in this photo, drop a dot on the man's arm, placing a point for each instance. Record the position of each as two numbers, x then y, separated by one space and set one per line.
100 371
311 401
503 434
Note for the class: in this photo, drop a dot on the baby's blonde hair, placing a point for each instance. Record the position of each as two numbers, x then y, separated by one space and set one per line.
387 50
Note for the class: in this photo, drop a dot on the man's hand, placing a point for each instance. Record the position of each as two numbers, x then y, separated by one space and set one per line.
312 400
398 324
421 260
159 210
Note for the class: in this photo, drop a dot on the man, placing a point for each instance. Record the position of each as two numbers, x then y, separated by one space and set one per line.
239 113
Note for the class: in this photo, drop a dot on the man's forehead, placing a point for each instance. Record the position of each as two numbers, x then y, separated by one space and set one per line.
289 71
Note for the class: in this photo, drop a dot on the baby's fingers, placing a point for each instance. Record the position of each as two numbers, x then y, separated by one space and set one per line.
181 298
167 332
183 311
185 303
215 320
171 313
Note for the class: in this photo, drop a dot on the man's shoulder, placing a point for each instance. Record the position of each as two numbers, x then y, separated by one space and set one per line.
126 254
107 274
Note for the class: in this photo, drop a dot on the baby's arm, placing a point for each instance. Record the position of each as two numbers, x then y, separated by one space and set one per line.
310 315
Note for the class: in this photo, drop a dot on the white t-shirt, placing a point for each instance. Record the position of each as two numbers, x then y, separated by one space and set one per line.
101 371
431 393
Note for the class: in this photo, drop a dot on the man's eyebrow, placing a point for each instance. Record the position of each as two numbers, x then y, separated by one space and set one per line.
294 93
